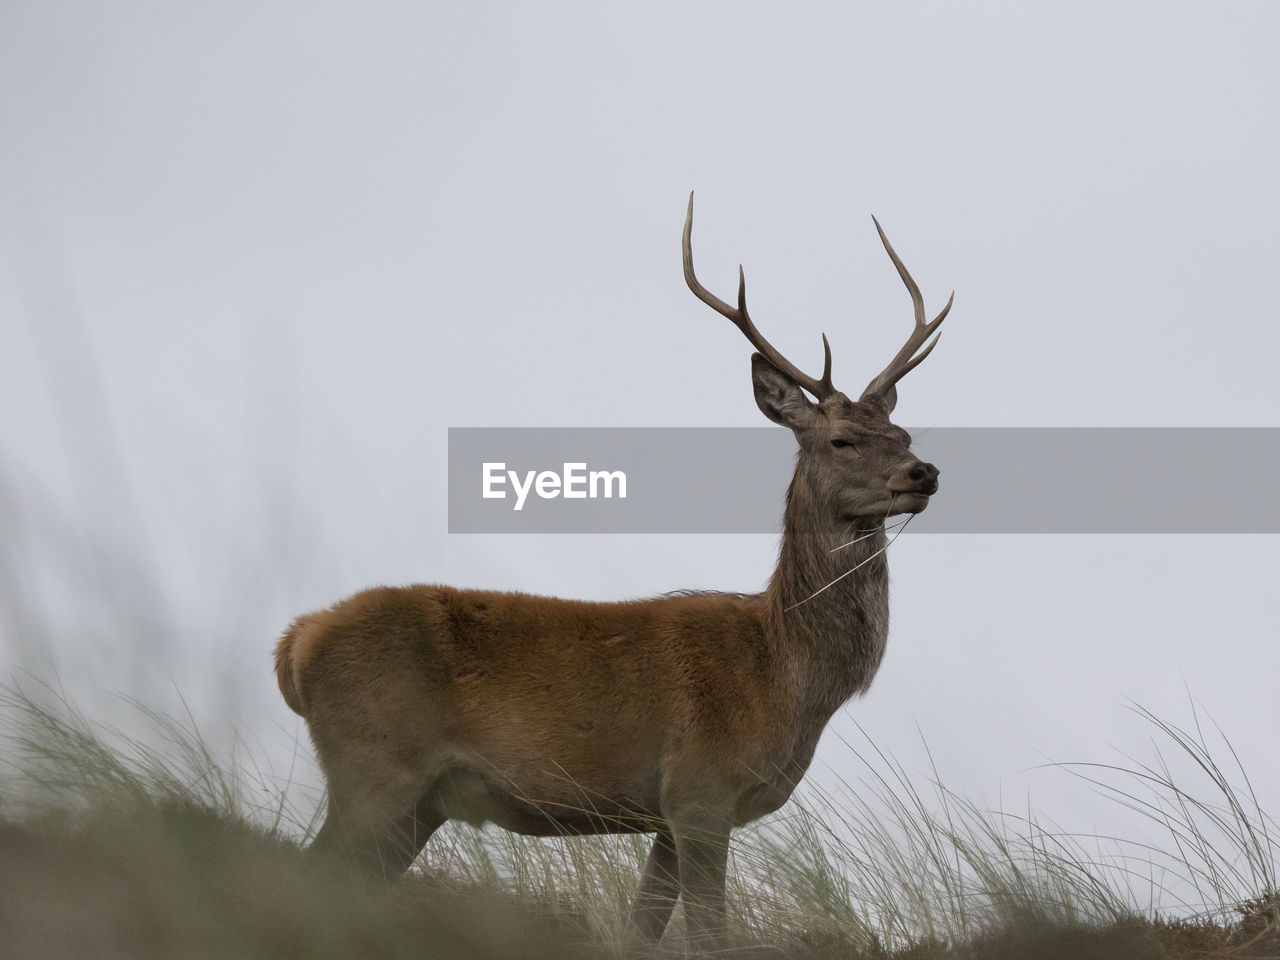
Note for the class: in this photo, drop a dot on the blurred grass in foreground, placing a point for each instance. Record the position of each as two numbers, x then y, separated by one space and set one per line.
116 847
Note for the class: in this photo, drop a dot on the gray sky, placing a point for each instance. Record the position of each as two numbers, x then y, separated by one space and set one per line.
257 258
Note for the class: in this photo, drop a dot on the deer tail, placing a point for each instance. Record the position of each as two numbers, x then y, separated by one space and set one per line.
286 675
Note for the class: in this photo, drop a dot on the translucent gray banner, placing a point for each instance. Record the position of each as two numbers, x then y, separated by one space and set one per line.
994 480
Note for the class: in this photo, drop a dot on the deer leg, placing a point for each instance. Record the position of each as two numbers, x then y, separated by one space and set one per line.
377 842
400 841
702 850
659 887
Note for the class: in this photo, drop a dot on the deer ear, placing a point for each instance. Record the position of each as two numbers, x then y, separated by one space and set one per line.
779 397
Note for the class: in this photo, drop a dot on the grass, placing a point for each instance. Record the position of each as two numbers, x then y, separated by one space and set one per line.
123 847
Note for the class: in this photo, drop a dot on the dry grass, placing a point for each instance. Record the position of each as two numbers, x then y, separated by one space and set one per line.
118 847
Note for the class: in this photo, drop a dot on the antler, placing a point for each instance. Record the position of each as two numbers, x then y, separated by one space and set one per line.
907 358
742 320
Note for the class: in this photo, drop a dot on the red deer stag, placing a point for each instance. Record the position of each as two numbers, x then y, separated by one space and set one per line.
683 716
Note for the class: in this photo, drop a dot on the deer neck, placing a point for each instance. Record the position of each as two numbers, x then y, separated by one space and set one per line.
828 601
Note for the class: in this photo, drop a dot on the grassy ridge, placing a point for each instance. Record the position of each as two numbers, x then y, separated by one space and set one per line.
111 847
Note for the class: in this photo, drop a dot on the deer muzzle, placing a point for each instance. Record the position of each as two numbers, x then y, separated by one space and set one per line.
919 477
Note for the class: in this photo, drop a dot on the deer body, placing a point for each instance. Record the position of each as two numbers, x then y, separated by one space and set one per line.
683 715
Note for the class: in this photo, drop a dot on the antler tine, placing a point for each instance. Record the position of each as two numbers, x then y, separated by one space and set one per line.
907 358
742 320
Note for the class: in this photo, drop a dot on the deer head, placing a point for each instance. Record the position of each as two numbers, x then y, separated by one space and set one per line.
854 464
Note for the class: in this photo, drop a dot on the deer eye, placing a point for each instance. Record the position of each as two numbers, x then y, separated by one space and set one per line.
840 444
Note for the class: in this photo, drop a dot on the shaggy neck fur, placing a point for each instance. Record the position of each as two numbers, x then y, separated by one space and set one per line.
835 639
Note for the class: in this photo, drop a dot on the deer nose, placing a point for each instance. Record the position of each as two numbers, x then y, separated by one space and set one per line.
925 477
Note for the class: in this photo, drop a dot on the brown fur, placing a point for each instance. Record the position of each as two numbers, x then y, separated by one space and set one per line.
683 715
695 712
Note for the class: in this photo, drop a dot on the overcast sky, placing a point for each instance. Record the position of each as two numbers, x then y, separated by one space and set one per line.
257 258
